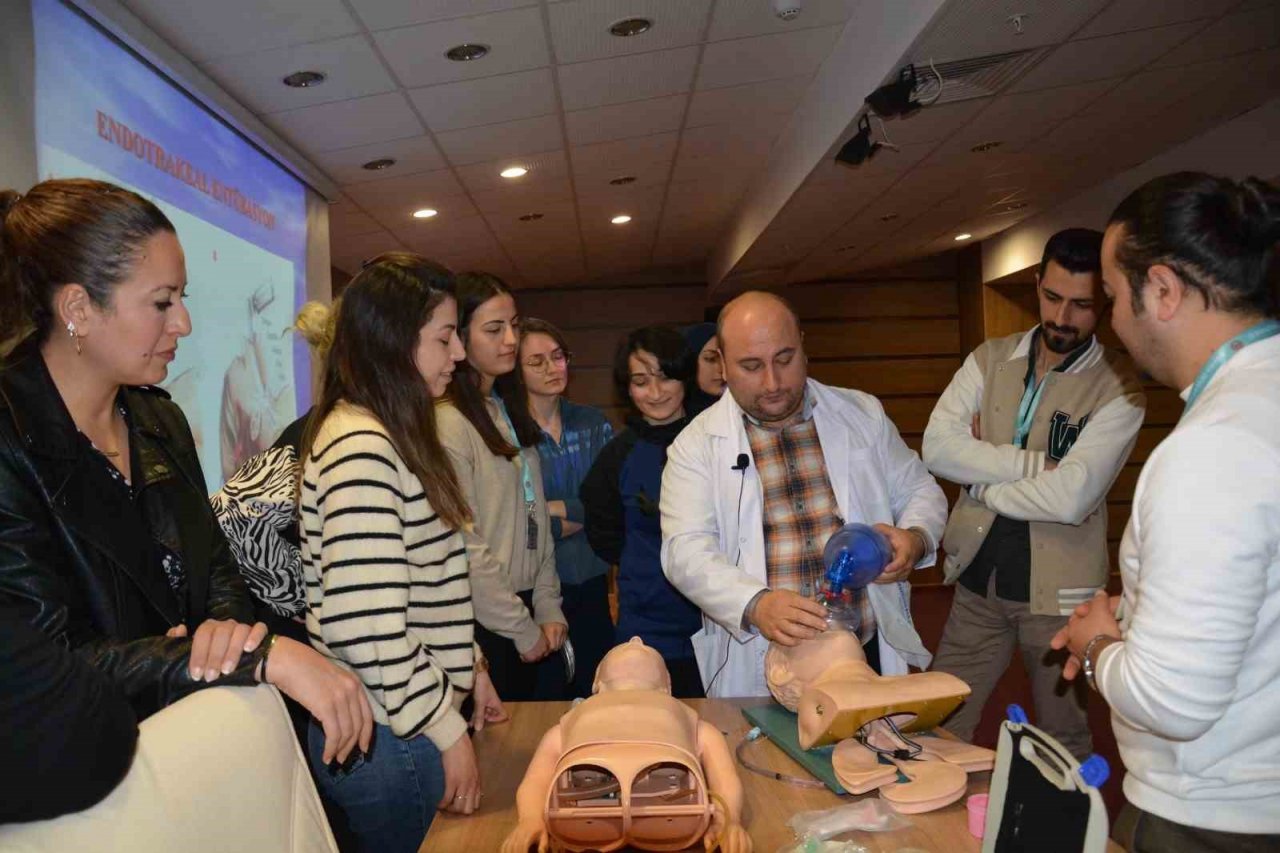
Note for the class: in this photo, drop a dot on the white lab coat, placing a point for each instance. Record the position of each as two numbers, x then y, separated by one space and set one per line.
713 540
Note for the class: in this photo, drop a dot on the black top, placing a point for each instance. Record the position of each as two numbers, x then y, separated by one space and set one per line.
69 735
77 560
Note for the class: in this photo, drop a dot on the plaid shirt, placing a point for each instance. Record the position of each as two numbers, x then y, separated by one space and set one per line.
800 511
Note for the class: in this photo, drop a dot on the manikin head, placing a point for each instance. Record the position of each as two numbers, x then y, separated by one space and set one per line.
632 666
790 670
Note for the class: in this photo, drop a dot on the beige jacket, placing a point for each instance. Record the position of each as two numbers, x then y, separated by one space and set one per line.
500 564
1087 421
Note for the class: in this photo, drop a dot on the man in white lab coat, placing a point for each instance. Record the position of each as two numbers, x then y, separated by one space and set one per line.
757 483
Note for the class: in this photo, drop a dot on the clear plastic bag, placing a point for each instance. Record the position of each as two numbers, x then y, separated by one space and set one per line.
813 845
868 815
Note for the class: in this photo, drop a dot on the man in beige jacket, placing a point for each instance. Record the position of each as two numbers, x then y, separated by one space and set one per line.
1035 426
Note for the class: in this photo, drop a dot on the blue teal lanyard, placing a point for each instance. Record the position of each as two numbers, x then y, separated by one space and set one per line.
1224 353
1027 409
530 496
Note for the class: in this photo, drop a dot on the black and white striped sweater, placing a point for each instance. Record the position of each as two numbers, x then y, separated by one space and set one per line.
386 580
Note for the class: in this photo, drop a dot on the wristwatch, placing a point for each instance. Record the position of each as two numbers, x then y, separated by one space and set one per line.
1087 659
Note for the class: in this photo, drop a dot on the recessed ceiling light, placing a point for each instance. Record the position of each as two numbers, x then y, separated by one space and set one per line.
467 52
628 27
964 236
514 172
888 217
303 79
984 147
531 217
425 213
379 164
620 219
624 180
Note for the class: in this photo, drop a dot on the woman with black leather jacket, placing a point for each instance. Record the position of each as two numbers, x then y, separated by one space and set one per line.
107 541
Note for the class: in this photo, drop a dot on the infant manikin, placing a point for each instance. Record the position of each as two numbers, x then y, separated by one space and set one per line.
630 765
838 697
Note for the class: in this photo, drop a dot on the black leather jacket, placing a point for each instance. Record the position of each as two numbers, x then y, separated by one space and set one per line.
78 561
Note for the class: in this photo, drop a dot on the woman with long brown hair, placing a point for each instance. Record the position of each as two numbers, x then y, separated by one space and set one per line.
107 540
388 592
509 546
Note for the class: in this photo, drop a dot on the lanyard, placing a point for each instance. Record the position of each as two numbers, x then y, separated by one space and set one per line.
1224 353
530 496
1027 409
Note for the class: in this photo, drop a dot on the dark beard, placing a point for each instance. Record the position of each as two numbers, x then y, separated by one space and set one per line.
1061 345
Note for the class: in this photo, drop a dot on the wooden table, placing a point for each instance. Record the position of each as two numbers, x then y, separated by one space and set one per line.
503 752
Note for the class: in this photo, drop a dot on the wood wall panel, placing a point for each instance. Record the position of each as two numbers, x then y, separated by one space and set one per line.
827 339
896 376
862 299
614 308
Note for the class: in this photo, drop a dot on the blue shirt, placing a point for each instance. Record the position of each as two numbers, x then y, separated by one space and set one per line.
584 431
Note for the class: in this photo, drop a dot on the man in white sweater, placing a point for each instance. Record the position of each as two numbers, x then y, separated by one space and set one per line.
1189 656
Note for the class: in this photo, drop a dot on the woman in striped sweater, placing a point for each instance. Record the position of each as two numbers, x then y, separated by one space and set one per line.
385 568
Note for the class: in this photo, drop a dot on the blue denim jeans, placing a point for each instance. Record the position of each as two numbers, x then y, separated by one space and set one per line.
387 797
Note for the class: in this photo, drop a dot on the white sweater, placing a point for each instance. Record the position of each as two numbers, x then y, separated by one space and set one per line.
1195 686
387 589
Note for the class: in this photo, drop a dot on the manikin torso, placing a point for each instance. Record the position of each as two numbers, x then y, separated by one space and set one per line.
827 682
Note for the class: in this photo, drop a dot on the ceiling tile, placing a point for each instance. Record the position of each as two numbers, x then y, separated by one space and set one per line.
346 124
970 28
548 167
516 42
349 64
580 29
886 161
349 253
393 198
204 31
1122 16
500 141
773 98
627 78
555 232
734 19
930 124
1241 32
347 220
729 140
448 236
619 121
487 100
520 198
412 154
642 156
385 14
751 60
725 166
1014 120
1109 56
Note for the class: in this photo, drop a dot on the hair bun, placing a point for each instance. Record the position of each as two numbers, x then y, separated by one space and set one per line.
1259 206
8 198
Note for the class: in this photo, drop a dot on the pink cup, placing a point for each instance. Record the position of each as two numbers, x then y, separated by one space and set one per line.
977 806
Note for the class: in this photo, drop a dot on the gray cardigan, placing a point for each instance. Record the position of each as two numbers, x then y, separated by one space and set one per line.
500 564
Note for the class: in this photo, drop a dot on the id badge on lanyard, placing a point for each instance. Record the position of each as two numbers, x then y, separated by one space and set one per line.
531 535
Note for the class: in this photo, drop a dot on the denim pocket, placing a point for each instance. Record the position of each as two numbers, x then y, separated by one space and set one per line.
337 772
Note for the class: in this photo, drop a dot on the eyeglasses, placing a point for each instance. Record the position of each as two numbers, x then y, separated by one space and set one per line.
557 358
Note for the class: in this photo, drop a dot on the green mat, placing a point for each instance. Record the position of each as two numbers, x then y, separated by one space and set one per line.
780 725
